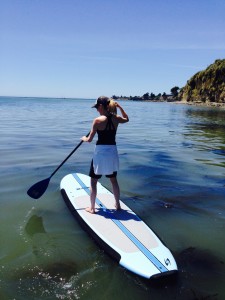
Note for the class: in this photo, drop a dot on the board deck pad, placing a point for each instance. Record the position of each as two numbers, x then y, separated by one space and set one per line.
120 232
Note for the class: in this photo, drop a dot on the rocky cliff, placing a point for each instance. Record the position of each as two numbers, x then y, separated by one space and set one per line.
206 86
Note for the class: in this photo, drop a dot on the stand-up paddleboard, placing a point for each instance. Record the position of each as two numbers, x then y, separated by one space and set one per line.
121 233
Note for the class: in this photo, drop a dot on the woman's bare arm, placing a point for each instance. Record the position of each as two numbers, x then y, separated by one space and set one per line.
92 133
124 117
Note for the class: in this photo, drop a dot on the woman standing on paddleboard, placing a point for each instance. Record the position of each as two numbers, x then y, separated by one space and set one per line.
105 159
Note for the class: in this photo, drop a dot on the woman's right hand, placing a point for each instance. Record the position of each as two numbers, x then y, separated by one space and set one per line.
84 138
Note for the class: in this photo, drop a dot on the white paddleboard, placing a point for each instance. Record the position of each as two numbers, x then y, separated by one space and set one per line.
120 233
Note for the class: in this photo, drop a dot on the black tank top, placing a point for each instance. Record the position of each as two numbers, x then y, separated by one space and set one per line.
107 136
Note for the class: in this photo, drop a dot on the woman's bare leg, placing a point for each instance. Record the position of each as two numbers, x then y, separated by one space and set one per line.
116 192
93 194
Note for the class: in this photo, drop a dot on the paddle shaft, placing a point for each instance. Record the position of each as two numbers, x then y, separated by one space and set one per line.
53 173
39 188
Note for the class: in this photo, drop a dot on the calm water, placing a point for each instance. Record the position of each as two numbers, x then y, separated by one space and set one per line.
172 168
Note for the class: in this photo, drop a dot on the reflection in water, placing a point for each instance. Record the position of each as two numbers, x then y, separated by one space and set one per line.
206 133
208 122
212 115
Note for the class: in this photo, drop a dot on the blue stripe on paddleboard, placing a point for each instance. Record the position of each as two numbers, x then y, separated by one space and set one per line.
139 245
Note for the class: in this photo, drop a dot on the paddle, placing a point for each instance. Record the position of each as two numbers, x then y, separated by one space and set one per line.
38 189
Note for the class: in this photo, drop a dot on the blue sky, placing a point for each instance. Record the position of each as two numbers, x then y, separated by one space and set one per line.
87 48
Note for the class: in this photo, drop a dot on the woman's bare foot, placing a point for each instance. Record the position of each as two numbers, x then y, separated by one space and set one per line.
90 210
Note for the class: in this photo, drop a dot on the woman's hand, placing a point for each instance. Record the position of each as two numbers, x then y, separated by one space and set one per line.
124 115
84 138
117 105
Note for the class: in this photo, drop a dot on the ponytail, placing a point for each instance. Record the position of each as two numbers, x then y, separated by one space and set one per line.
112 109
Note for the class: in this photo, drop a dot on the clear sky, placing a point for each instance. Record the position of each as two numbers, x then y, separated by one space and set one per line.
87 48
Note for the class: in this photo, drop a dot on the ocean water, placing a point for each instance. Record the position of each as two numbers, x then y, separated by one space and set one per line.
172 174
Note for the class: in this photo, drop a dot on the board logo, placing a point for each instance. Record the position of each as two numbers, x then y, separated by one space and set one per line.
167 261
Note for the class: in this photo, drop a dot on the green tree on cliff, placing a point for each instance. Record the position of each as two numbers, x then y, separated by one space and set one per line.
174 91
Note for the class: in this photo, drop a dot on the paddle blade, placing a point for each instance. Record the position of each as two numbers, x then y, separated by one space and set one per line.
38 189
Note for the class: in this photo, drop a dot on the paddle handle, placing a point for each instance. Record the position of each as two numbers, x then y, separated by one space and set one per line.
71 153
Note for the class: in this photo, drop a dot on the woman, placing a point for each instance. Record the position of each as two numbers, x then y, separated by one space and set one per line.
105 159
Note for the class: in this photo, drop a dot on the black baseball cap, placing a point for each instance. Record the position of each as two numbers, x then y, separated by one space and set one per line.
101 100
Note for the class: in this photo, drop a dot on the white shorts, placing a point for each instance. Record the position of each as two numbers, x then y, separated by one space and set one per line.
105 159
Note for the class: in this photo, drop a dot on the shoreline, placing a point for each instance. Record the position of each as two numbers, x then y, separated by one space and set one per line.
192 103
202 104
195 103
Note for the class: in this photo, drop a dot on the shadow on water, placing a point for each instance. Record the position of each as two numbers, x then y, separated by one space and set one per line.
192 260
34 225
197 267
